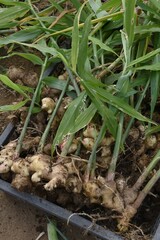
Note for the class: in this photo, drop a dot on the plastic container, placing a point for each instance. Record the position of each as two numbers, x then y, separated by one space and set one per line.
60 213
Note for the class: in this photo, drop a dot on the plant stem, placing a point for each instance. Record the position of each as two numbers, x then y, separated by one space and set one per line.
34 13
111 172
67 145
146 172
92 158
146 189
136 108
45 134
71 136
110 68
21 137
73 81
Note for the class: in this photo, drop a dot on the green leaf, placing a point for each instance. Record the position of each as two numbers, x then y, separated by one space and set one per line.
147 8
51 230
75 39
95 5
151 67
156 3
13 107
110 5
105 112
83 53
146 28
45 49
84 118
53 82
15 3
68 120
22 36
152 130
10 14
12 85
117 102
31 57
101 44
144 58
129 19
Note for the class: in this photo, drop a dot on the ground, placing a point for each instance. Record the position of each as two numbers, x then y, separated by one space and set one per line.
20 220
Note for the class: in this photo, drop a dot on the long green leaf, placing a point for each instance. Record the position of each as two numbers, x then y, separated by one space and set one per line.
152 130
53 82
84 118
156 3
83 53
151 67
117 102
12 85
101 44
13 107
45 49
51 230
145 57
147 8
11 14
22 36
129 19
147 29
103 110
96 5
68 120
75 39
31 57
110 5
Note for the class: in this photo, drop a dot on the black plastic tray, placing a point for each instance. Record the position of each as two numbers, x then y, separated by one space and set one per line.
60 213
65 215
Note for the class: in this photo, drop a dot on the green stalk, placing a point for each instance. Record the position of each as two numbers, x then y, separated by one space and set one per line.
73 81
36 15
67 145
92 159
21 137
137 108
71 136
95 57
146 172
146 189
45 134
111 172
110 67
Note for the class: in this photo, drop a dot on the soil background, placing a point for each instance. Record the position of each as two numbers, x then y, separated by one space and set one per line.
21 221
